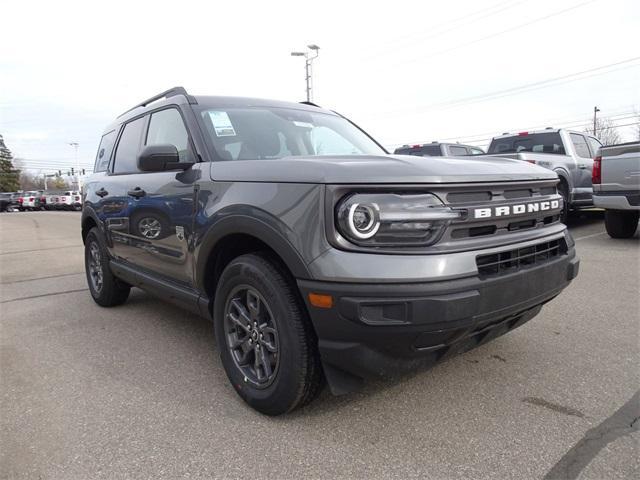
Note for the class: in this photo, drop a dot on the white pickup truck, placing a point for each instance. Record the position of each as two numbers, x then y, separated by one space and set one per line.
616 187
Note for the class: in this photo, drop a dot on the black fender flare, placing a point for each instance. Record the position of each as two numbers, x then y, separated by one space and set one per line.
89 213
269 232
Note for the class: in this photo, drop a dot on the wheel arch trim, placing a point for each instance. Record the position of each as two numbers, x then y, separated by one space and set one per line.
245 225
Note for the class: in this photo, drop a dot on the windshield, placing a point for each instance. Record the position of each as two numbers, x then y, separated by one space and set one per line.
267 133
536 142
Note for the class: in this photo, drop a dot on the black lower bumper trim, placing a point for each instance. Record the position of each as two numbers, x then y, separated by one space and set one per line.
379 330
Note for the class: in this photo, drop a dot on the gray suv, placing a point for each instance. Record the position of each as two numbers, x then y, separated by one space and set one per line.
317 255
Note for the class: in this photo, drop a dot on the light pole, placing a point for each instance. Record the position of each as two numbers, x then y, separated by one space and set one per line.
595 123
75 145
310 55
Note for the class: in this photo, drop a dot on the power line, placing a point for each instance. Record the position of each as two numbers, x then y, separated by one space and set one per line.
502 93
439 31
495 34
550 82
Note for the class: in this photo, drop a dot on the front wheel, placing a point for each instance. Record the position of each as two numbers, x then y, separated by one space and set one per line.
105 288
267 344
621 223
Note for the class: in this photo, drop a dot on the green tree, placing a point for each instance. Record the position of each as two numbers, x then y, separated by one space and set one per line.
58 183
9 175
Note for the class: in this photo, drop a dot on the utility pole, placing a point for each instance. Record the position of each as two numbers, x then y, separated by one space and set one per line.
75 145
595 123
310 55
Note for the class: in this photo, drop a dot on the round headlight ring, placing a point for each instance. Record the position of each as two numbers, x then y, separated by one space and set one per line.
371 214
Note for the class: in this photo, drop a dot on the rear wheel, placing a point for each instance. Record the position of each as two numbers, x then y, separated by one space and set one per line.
105 288
621 223
266 341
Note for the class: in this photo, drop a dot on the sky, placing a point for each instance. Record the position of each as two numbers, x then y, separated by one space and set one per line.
405 71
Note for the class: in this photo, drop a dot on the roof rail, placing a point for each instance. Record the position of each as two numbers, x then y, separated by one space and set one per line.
172 92
310 103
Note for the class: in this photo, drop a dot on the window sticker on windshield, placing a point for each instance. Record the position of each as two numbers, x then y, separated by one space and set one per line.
222 124
303 124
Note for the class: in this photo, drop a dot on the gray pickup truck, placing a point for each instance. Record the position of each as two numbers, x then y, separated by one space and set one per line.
316 254
616 187
438 149
568 153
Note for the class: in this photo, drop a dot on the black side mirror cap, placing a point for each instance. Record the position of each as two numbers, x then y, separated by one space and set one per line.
159 158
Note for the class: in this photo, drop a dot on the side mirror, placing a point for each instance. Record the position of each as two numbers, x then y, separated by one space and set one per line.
158 158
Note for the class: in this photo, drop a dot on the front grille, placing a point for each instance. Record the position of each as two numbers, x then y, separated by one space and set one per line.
513 260
498 194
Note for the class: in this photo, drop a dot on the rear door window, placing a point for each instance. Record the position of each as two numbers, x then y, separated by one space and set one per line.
456 150
580 144
128 147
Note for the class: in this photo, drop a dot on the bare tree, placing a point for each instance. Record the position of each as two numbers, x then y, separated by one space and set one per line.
606 131
30 181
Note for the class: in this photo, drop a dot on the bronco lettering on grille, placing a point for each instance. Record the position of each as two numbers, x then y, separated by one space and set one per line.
521 209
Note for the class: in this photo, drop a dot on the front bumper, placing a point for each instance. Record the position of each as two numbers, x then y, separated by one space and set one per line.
377 330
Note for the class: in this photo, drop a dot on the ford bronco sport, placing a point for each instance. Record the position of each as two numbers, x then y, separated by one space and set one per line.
316 254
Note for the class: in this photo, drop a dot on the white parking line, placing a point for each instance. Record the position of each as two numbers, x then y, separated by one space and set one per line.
590 236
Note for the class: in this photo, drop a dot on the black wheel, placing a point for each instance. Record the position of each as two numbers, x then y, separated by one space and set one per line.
267 344
106 290
563 190
621 223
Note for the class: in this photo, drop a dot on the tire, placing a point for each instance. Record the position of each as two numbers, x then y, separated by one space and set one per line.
621 223
563 190
106 290
296 374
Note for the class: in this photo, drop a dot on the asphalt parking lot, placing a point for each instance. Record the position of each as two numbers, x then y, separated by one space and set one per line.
139 391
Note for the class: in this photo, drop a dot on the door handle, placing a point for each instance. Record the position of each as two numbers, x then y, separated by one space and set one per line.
102 192
582 166
137 192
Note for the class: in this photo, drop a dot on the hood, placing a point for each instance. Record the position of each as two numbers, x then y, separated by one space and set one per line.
351 169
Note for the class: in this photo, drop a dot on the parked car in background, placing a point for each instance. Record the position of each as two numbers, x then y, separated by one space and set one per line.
616 187
51 200
70 200
439 149
566 152
31 200
9 201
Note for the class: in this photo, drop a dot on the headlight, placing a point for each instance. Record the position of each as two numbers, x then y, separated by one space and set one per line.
387 219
